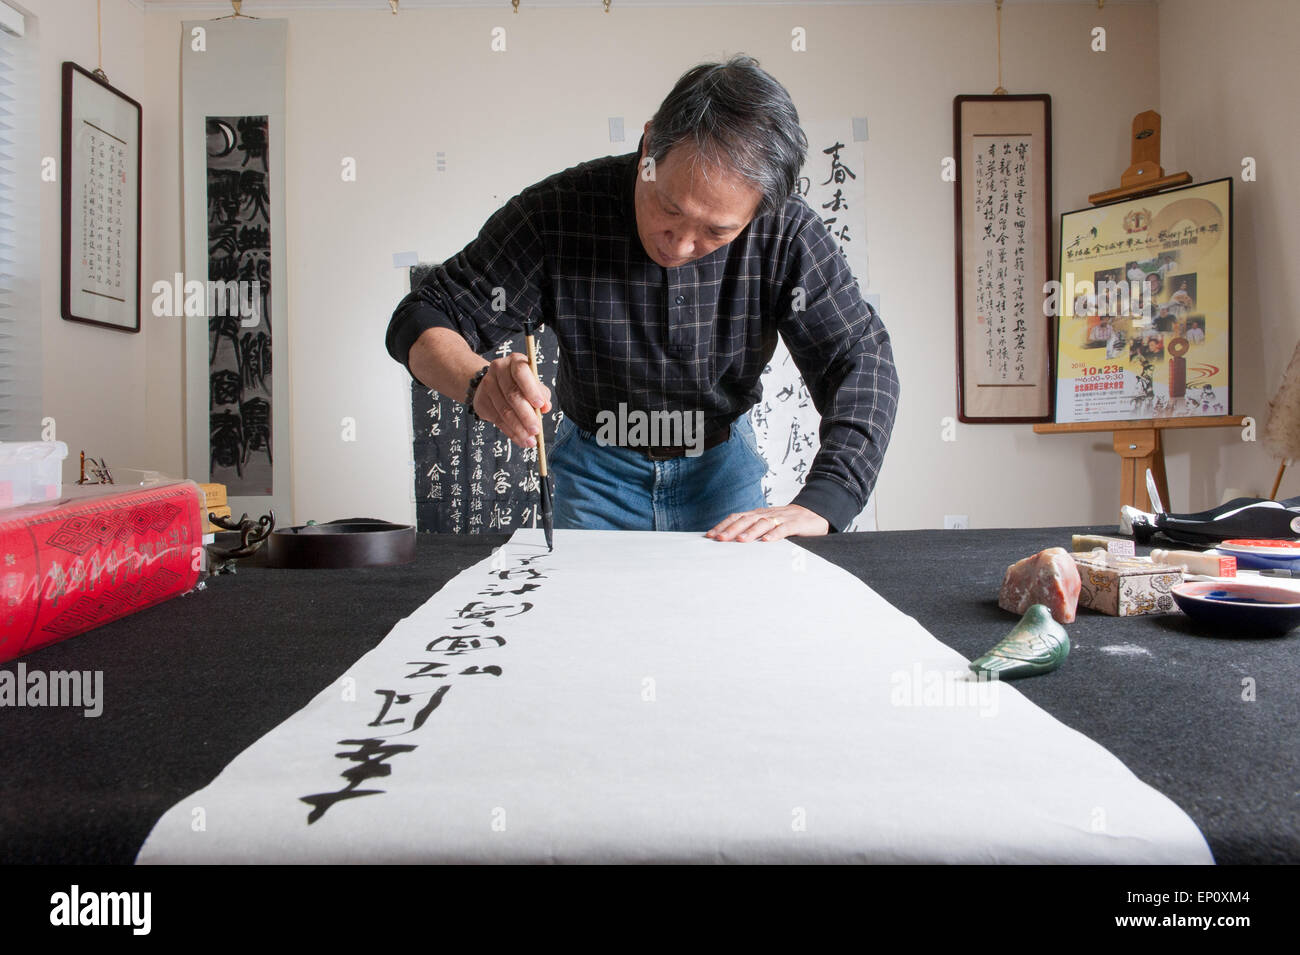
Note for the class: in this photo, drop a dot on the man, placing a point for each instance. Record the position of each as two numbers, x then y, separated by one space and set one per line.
667 275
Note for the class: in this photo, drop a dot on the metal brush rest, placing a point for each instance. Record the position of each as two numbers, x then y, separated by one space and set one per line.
252 534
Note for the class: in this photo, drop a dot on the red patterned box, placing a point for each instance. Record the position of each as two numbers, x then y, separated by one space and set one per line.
94 555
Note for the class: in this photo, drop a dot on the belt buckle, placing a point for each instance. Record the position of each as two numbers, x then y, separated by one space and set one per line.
681 450
663 454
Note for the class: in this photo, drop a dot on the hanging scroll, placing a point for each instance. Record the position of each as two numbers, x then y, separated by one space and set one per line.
237 378
786 425
239 258
101 202
469 477
1003 210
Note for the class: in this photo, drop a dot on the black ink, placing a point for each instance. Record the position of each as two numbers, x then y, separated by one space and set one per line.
371 759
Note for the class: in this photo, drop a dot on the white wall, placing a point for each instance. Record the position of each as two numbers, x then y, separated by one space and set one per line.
115 395
1228 82
393 91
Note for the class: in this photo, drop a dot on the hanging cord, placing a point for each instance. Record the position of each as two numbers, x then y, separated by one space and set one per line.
99 40
1001 90
236 5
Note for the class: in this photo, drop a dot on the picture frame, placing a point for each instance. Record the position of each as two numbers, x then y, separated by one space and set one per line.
101 172
1002 227
1146 307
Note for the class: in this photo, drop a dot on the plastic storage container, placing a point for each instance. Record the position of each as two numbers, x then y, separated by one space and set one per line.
31 471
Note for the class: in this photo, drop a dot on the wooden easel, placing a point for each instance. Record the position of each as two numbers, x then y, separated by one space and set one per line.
1139 447
1145 175
1138 443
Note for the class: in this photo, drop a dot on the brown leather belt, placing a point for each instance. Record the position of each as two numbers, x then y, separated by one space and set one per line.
668 452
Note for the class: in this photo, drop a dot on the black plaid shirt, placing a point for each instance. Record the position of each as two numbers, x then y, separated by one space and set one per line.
695 337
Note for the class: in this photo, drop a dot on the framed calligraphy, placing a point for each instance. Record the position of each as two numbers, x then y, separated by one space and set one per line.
1003 212
1145 298
101 202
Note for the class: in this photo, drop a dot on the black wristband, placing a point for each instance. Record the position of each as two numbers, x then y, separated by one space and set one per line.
473 387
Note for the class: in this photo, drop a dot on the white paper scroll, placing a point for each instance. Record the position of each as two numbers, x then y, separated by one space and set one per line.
653 697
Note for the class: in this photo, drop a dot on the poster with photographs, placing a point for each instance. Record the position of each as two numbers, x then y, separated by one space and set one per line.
1146 307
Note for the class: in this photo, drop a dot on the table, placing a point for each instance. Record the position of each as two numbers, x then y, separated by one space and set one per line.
192 682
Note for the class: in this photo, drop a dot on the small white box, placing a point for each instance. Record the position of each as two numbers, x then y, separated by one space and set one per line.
31 471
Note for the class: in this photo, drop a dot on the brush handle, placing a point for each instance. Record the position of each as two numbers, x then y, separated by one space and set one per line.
541 431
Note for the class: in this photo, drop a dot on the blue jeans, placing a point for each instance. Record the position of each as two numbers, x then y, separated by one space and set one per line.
606 487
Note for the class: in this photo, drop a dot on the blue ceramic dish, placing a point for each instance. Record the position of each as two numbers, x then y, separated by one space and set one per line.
1248 609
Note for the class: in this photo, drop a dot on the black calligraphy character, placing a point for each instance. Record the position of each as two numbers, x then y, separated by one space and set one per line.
481 615
426 670
531 572
404 699
458 644
498 592
481 671
793 443
370 760
837 202
838 169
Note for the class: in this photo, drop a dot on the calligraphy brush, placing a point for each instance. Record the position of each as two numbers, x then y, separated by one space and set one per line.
548 518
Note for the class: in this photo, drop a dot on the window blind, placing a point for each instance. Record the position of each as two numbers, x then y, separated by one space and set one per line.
20 185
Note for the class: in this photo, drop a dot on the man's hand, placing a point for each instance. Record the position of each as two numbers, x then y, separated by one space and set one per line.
510 396
771 524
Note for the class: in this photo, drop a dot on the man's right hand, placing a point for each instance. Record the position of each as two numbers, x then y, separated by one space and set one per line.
510 396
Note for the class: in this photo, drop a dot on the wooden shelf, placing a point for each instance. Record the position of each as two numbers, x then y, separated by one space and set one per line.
1147 424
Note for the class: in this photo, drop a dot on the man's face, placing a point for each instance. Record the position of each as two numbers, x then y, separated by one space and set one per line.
689 209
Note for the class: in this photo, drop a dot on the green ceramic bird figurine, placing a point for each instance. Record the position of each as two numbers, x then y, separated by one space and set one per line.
1037 644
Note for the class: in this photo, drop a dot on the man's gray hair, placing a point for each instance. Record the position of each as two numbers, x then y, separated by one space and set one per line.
738 118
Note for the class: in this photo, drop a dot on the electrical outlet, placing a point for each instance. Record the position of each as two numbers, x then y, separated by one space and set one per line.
956 522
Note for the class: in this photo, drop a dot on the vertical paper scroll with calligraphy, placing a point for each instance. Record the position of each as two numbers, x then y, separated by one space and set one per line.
100 269
469 478
104 158
1003 211
1004 248
786 425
